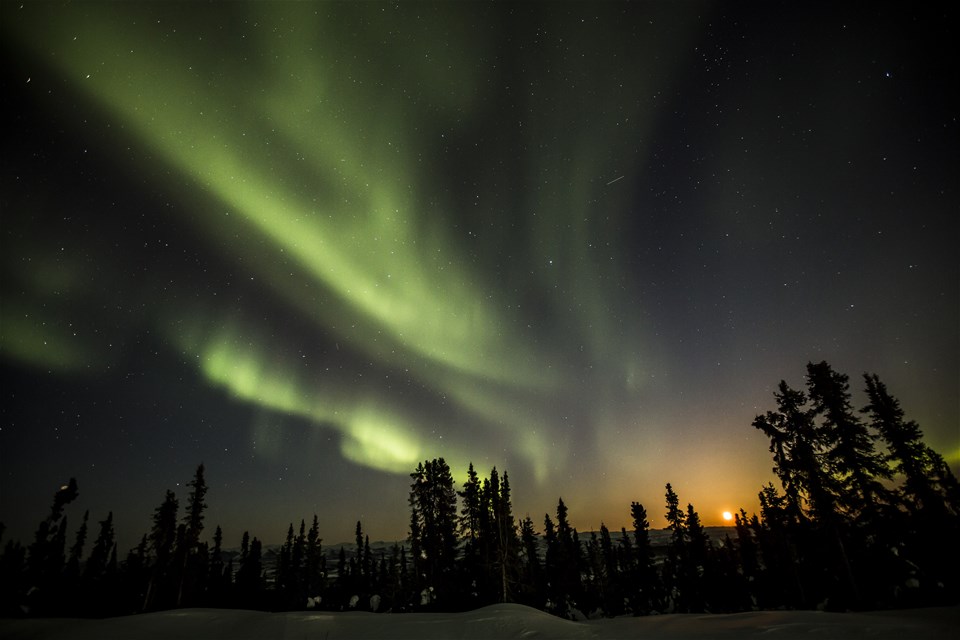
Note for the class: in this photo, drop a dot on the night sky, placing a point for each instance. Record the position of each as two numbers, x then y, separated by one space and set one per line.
312 245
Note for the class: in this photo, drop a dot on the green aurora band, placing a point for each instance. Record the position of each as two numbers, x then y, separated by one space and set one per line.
313 148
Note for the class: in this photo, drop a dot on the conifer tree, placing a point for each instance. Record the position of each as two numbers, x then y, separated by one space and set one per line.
195 507
46 555
783 580
244 548
191 568
611 593
647 583
473 517
911 458
360 577
217 589
416 547
929 497
850 455
796 445
369 565
594 582
814 472
136 577
297 568
698 572
284 569
506 542
469 522
358 563
112 565
488 538
556 602
341 584
675 567
13 573
563 563
250 572
676 519
531 574
254 566
627 576
314 568
433 524
391 581
749 560
407 582
163 536
76 551
57 551
100 554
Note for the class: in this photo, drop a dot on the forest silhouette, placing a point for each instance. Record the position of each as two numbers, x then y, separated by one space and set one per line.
864 515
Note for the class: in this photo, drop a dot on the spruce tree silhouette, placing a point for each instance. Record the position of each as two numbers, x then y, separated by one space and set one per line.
193 567
646 584
433 525
162 542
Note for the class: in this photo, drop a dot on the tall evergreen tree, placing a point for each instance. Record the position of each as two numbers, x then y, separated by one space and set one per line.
342 582
469 523
217 591
563 563
699 570
611 593
797 444
506 543
555 599
358 560
627 577
850 455
920 466
46 557
191 568
284 570
195 507
473 517
777 536
369 564
76 551
531 573
136 577
929 498
297 567
433 507
593 581
250 572
314 567
748 550
646 583
360 574
163 536
100 554
674 569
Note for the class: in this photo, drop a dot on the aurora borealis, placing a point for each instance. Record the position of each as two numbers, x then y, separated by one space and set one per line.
313 244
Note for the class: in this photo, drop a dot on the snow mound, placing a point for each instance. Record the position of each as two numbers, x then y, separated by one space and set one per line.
507 621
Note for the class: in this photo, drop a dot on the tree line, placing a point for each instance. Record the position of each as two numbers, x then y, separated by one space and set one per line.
850 526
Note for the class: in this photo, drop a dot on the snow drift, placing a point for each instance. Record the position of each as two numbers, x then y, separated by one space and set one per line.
509 621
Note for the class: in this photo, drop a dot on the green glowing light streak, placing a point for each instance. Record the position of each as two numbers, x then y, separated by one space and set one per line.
308 162
356 239
373 435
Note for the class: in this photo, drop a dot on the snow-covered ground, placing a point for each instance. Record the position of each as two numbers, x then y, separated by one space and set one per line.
499 621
